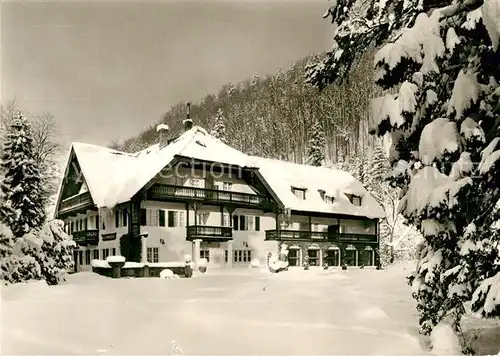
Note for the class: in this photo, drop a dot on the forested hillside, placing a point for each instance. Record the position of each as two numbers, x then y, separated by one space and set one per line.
271 116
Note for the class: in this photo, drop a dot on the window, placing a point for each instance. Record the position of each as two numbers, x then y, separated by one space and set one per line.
171 220
117 218
226 256
246 223
299 193
176 218
152 254
96 254
356 200
125 217
85 223
329 199
103 224
313 257
105 253
195 182
205 254
202 218
143 217
87 257
97 222
151 217
227 186
241 255
80 257
293 257
162 217
113 251
225 220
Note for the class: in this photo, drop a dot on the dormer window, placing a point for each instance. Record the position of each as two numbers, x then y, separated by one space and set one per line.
299 193
354 199
328 199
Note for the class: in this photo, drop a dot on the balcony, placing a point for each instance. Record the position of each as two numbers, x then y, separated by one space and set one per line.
76 202
214 196
86 237
209 233
319 236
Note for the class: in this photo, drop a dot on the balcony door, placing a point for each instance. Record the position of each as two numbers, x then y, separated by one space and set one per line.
333 230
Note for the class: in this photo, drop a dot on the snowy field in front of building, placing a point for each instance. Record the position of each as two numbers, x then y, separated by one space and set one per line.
236 312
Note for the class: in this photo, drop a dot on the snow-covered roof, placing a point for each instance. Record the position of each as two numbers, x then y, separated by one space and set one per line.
283 176
114 177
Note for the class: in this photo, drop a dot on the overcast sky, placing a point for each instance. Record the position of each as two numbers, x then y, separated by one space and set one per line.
107 70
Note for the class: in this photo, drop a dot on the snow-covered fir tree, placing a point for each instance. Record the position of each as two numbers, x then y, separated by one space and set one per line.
316 145
22 184
443 125
219 130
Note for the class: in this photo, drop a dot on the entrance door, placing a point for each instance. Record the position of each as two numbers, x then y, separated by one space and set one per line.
332 257
293 257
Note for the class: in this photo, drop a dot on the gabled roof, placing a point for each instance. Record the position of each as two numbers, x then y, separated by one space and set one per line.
114 177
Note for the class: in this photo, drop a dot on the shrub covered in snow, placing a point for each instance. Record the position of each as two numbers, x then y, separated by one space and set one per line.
168 274
6 244
202 265
255 263
445 341
47 254
441 60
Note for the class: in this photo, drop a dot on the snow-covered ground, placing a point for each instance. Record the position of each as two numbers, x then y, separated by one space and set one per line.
237 312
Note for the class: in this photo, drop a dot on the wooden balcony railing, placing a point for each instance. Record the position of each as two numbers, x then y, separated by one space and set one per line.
76 202
175 192
212 233
86 237
319 235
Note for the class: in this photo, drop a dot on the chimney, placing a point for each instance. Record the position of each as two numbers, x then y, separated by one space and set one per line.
162 129
188 123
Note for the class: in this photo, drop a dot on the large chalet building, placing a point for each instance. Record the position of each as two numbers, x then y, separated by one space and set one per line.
193 194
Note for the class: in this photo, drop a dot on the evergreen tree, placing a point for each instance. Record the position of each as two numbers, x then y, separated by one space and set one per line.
21 185
316 145
444 59
219 130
